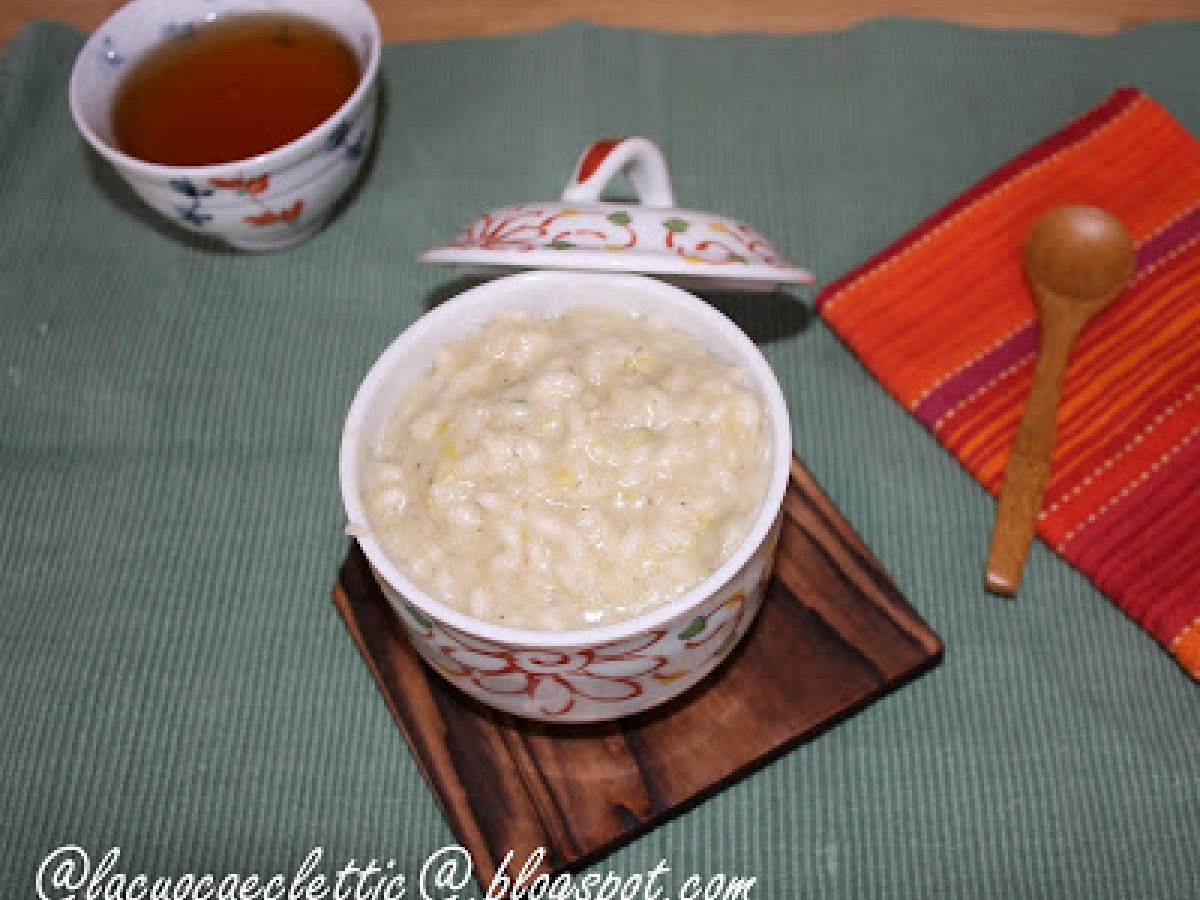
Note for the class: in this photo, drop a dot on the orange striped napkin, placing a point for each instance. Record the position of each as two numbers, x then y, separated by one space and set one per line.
944 320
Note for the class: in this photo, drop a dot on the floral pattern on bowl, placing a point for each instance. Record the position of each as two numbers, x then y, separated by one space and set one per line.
593 682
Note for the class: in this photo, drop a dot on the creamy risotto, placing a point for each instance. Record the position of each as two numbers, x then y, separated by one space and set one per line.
570 471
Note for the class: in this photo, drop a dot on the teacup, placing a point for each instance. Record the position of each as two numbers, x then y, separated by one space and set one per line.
269 201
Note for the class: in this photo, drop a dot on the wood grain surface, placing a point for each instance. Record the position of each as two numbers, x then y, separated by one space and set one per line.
833 634
403 20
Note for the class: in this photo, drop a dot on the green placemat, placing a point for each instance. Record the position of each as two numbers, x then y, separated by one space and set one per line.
177 683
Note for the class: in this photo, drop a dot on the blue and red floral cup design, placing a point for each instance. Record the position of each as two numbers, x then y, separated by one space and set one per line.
274 200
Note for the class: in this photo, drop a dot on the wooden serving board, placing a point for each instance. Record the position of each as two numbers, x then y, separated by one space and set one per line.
833 634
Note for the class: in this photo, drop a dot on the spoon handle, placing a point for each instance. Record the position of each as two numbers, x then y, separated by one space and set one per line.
1028 467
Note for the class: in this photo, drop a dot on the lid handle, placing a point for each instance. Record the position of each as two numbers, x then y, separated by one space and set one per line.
639 159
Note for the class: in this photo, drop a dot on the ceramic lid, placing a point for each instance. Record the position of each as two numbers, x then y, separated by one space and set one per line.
649 236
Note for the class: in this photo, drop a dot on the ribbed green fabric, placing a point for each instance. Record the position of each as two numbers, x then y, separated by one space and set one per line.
176 680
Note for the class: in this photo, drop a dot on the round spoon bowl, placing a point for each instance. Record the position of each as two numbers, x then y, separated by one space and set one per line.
1079 252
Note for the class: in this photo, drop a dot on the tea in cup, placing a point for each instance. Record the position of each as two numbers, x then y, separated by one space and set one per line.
230 118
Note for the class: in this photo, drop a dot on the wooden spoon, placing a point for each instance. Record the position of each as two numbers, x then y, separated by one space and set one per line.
1077 260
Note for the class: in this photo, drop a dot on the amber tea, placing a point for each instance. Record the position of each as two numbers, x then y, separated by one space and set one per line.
232 89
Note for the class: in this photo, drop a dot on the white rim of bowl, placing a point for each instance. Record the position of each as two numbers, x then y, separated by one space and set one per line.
297 147
352 444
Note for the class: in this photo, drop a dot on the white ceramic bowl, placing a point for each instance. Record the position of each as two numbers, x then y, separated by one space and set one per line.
266 202
589 674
